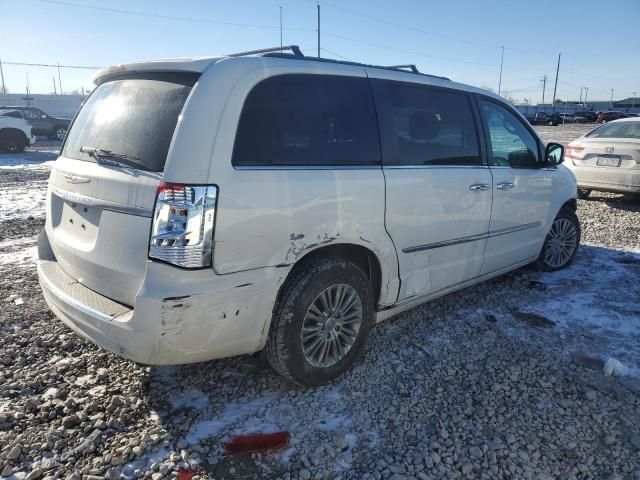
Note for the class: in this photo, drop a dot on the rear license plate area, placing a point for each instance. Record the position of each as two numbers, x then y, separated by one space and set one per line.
608 161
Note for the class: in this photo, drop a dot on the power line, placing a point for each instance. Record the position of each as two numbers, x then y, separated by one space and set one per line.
56 65
168 17
401 50
407 27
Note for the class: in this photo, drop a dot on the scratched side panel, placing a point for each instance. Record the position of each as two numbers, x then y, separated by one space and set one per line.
274 217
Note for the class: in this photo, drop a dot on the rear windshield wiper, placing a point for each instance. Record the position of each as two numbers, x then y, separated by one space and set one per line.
100 153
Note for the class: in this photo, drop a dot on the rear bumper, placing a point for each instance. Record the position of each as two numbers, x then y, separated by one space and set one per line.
180 316
608 179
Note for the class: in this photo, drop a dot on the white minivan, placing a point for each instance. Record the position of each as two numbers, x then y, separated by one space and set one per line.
209 207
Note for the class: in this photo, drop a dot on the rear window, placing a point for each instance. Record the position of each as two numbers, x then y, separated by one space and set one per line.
617 130
308 120
132 117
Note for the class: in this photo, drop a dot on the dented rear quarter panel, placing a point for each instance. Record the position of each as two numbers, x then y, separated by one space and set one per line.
273 217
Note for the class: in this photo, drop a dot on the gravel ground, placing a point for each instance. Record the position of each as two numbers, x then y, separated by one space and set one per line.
501 380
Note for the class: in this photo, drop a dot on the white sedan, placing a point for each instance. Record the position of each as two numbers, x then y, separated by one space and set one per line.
607 158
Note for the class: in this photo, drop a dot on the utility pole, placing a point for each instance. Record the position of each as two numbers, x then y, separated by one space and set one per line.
611 104
633 100
580 101
586 90
53 77
28 92
4 90
59 79
501 61
280 29
318 5
555 88
544 87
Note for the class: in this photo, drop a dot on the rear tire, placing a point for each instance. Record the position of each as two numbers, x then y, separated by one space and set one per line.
301 305
12 141
562 242
582 194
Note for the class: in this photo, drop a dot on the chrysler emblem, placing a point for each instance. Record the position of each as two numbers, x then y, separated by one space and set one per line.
608 150
75 179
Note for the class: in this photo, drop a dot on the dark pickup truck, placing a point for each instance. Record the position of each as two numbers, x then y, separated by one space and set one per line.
541 118
42 123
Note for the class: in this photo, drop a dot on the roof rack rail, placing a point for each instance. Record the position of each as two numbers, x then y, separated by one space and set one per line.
295 49
296 54
410 66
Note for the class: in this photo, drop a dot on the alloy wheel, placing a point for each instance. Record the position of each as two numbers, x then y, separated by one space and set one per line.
331 325
60 133
562 243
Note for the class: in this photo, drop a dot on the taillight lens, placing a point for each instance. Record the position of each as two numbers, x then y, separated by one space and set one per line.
182 229
575 153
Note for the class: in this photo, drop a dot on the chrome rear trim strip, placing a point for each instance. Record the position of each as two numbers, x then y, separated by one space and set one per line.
470 238
97 202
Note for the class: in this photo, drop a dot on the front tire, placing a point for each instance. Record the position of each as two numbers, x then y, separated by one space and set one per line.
321 321
562 242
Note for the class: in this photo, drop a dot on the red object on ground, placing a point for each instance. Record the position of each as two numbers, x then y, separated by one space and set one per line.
186 473
257 442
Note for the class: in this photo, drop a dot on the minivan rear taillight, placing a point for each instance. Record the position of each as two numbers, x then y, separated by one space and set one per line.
182 224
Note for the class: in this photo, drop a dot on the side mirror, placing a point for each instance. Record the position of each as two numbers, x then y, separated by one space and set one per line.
554 154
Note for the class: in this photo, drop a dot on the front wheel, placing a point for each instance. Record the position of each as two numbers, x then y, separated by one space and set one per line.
321 322
561 245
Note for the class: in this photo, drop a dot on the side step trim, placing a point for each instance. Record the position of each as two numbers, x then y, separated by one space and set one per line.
411 302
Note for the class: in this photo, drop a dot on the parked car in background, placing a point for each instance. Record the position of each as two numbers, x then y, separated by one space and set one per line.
538 118
558 118
587 114
604 117
44 124
337 195
15 132
607 158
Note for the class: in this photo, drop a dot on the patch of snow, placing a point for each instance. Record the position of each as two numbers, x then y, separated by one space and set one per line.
595 302
233 413
614 367
194 399
42 159
19 252
23 200
138 467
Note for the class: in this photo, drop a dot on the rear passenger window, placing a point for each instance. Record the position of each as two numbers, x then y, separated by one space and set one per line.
308 120
433 127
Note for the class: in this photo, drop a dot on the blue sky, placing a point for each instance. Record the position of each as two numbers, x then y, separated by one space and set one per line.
460 39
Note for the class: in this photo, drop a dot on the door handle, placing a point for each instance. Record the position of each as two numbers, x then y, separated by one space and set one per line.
505 185
479 186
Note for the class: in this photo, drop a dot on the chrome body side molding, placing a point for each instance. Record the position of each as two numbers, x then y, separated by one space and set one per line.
470 238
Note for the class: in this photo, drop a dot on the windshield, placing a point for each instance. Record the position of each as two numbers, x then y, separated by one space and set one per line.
130 117
617 130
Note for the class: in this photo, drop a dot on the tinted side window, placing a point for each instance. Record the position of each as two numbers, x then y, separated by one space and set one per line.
512 144
433 127
308 120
